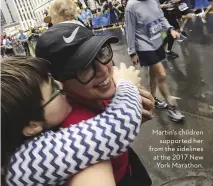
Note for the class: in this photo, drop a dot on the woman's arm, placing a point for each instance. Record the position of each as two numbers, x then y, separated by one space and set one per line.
51 158
100 174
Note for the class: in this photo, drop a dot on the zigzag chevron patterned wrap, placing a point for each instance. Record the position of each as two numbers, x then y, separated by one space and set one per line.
51 158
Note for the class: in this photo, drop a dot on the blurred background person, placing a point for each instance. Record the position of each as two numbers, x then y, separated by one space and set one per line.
7 45
170 13
23 39
208 9
2 47
144 24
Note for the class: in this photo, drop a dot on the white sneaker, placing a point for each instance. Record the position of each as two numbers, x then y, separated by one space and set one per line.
183 36
175 114
160 104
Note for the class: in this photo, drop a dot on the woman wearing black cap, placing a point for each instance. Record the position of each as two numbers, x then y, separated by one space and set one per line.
83 62
36 152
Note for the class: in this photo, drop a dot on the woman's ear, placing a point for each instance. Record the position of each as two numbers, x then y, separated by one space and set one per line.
34 128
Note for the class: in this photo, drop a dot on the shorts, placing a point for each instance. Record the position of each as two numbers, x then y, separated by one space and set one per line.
149 58
187 11
136 174
185 8
172 17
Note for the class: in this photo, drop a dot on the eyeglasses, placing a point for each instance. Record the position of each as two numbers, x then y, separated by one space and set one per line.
56 91
104 56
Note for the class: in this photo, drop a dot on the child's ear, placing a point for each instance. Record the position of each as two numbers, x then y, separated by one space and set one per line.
34 128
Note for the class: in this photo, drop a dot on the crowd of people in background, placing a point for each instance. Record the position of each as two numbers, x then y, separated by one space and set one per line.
20 42
177 12
182 9
14 44
116 9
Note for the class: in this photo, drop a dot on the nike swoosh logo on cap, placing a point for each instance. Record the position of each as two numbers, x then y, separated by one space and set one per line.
72 37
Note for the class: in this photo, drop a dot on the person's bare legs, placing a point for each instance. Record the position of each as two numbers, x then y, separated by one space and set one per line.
153 83
183 24
158 73
185 20
158 78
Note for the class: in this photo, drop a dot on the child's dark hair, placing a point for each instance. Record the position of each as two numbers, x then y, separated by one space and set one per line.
21 78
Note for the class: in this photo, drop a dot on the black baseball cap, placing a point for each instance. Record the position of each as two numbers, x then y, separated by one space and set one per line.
69 47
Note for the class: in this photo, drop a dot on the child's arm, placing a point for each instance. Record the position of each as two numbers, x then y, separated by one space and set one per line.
54 156
100 174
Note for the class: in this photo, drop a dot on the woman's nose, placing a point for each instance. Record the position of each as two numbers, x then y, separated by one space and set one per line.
100 69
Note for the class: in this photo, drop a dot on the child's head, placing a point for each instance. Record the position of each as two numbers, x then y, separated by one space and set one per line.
62 10
31 101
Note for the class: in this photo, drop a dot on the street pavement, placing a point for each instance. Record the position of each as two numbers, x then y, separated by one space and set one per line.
190 78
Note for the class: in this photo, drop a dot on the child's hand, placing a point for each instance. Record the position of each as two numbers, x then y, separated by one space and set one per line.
124 73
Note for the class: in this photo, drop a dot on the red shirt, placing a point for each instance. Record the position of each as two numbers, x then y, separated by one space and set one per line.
80 113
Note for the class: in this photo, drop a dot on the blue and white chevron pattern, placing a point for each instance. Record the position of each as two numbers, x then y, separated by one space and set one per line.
51 158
